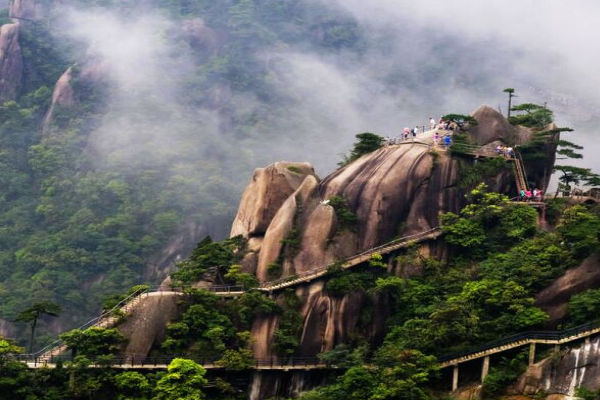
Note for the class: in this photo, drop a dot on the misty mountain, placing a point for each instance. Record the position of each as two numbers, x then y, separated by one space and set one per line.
131 126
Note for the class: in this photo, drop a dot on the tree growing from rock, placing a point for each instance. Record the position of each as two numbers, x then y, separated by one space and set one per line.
572 176
511 94
367 142
531 115
460 119
32 314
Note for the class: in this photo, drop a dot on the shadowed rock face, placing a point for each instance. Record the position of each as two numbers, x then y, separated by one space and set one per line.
11 62
26 9
64 94
148 322
561 375
394 191
269 189
554 298
491 127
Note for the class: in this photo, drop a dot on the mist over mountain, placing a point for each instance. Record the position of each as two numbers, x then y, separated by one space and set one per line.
135 124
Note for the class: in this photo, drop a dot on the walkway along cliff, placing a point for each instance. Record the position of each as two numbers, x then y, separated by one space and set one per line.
395 191
297 227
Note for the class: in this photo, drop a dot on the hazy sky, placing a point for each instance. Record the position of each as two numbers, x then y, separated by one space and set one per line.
543 48
420 59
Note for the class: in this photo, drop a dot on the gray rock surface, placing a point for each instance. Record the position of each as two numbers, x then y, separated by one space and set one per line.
11 62
26 9
554 298
560 375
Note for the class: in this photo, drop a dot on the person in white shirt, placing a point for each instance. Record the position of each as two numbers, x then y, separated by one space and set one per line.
431 123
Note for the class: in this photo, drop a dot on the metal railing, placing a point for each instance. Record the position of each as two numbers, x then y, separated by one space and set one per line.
163 361
322 270
128 302
524 338
488 151
133 361
106 314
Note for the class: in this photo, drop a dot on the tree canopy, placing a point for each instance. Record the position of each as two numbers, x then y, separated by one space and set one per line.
366 143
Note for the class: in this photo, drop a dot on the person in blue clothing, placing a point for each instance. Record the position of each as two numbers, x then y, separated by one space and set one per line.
447 140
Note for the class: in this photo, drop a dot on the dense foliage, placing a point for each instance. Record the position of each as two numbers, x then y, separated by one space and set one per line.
184 379
89 200
484 293
366 143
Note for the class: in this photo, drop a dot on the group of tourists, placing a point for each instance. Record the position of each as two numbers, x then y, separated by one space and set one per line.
442 125
411 133
446 139
528 195
407 133
507 152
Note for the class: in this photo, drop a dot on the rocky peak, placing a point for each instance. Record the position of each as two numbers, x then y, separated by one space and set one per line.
26 9
491 127
394 191
200 36
11 62
267 192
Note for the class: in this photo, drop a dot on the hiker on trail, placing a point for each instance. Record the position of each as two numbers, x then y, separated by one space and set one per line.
535 193
436 138
509 152
447 140
522 195
415 130
528 195
431 123
499 149
406 133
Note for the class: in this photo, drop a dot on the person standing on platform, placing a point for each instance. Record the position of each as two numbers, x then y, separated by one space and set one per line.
431 123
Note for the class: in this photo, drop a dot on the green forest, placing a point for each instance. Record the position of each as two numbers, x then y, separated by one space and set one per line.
481 295
77 224
138 176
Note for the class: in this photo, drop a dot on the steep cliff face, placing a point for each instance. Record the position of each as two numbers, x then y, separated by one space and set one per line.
394 191
11 62
27 9
558 377
147 325
555 297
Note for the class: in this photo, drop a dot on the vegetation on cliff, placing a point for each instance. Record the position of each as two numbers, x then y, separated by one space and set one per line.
78 223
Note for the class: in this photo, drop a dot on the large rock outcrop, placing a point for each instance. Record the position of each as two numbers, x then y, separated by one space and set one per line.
11 62
559 376
394 191
147 324
269 189
27 9
65 96
555 298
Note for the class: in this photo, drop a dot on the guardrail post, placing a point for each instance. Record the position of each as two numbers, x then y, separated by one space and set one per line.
531 353
485 368
455 378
